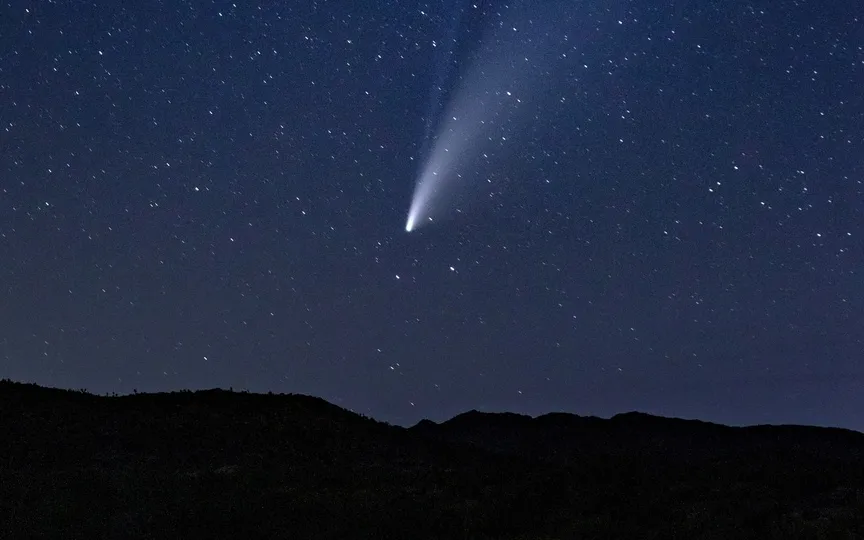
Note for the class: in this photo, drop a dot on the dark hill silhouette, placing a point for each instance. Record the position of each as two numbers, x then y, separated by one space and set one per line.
217 464
562 436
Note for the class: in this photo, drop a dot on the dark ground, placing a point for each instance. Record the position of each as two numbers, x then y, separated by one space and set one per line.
219 464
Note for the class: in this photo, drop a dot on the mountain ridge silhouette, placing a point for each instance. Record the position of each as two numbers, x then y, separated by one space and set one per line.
218 464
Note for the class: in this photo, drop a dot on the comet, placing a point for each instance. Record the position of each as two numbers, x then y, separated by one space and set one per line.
453 116
431 189
496 71
462 133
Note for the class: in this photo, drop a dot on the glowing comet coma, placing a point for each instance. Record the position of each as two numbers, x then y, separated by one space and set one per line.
422 200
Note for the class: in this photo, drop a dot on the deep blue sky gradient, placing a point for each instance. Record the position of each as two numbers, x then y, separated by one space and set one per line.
198 194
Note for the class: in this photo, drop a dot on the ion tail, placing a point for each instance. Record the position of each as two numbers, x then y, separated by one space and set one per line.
461 36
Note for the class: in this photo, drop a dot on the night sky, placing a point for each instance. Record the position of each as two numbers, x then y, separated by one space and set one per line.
663 210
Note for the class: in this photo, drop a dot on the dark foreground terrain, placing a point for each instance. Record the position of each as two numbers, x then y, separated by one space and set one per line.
218 464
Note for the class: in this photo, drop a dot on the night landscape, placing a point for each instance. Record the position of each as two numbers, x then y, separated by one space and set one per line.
431 269
220 464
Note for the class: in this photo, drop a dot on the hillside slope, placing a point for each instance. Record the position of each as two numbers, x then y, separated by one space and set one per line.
216 464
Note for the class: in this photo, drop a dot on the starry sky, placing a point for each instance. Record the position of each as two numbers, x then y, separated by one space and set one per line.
662 212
